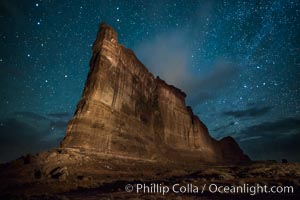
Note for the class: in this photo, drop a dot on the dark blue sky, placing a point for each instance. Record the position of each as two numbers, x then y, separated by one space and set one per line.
238 61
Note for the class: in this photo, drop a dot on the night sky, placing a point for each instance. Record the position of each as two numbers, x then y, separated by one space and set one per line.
238 61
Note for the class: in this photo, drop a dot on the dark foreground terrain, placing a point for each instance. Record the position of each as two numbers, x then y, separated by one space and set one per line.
77 174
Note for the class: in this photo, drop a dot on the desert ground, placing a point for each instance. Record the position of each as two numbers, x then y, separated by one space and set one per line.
76 174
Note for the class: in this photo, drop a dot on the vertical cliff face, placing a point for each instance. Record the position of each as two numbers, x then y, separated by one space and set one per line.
125 110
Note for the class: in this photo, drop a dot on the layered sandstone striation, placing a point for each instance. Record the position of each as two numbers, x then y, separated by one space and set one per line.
124 110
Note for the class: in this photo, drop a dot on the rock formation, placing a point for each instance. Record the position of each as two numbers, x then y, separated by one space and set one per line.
129 128
124 110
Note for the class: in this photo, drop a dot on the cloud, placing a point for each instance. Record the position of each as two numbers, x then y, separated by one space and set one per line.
250 138
31 115
269 148
275 128
224 127
18 138
169 56
209 85
272 140
61 115
251 112
29 132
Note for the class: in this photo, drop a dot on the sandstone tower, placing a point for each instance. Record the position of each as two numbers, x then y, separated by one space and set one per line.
124 110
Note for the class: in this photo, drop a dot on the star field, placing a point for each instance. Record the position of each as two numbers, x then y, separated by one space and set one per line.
238 61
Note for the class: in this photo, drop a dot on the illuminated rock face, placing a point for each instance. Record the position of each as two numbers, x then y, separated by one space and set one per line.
124 110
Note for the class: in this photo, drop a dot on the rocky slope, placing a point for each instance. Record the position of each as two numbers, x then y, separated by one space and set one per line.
125 110
72 174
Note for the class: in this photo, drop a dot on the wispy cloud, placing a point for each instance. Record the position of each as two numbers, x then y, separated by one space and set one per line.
29 132
250 138
169 57
272 140
251 112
